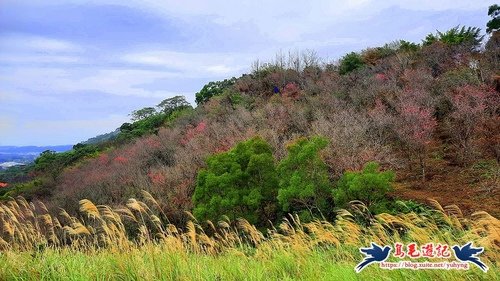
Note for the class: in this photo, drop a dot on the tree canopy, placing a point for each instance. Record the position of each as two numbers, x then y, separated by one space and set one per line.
469 36
213 88
239 183
494 24
174 103
304 182
369 186
142 113
350 62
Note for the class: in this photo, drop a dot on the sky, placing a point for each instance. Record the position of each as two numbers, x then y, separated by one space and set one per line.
71 70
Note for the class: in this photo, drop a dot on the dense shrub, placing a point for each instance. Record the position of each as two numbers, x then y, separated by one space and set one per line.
213 89
304 184
350 62
51 163
147 125
239 183
369 186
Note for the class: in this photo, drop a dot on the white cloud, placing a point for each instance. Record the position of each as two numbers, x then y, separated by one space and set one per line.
48 44
191 64
6 124
6 96
61 81
107 124
60 131
284 20
442 5
39 44
39 59
289 20
121 82
219 69
37 50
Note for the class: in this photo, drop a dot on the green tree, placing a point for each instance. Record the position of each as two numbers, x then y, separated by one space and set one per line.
125 127
45 160
350 62
213 89
239 183
494 24
407 46
430 39
51 163
143 113
369 186
169 105
466 36
304 184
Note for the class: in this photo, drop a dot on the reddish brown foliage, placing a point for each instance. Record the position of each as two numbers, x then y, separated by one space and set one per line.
380 77
490 137
374 114
470 107
291 91
193 131
415 125
156 177
120 159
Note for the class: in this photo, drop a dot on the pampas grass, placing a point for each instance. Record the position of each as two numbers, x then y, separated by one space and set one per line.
143 237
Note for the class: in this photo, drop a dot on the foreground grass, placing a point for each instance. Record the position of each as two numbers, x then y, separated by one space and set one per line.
133 243
156 262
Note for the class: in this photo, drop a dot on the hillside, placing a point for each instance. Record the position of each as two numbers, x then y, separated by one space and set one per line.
381 165
25 154
429 112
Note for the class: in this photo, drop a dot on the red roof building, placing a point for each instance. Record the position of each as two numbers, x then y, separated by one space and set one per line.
2 184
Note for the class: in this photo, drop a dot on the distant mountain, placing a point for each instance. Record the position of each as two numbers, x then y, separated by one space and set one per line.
6 165
33 149
26 154
103 138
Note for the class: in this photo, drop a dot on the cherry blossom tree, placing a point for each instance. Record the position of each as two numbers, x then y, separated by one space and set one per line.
415 127
470 105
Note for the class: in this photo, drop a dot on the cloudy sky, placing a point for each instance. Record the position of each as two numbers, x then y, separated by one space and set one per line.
70 70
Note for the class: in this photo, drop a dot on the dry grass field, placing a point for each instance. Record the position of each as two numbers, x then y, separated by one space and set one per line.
136 242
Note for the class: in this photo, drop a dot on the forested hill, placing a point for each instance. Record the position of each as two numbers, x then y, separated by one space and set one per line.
24 154
33 149
403 121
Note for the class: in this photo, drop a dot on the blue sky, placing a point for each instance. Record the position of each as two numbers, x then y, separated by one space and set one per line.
70 70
